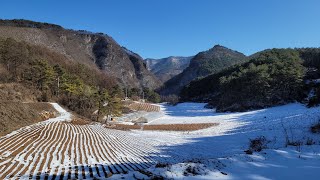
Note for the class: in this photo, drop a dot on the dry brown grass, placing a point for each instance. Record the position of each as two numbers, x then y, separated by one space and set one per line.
143 107
45 110
78 121
123 127
14 115
315 128
179 127
3 73
18 93
164 127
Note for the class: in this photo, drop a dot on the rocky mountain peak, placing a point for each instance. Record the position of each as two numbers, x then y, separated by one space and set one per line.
169 67
93 49
203 64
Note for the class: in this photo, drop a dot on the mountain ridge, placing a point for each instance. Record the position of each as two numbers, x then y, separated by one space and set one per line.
203 64
93 49
269 77
166 68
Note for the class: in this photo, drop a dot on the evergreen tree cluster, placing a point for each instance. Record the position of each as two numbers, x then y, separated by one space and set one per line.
271 77
79 87
144 93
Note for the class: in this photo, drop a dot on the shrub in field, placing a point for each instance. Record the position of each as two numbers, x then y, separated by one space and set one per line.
191 171
297 144
310 142
257 144
315 128
161 165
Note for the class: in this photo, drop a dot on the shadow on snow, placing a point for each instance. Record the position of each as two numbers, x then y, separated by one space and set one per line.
268 122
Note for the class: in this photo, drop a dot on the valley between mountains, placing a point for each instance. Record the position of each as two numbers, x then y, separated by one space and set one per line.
76 104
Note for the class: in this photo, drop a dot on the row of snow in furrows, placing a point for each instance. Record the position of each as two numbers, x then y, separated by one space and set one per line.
144 107
60 150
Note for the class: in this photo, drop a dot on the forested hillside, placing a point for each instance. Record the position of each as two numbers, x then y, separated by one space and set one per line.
96 50
55 78
271 77
203 64
81 70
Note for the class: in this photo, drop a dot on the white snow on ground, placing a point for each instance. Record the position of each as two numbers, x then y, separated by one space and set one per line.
286 163
64 115
231 138
233 132
184 113
54 148
149 116
213 153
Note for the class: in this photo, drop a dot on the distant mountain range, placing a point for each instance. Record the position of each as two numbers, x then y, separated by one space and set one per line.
166 68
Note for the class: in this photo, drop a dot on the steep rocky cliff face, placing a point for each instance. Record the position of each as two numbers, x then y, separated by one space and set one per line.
203 64
143 74
166 68
94 49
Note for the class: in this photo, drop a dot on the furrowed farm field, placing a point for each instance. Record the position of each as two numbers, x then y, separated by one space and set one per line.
138 106
62 149
186 141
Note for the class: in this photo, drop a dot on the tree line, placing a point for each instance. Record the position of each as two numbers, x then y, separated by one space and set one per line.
268 78
81 88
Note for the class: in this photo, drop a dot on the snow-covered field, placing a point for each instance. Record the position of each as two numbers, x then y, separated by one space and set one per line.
228 141
58 148
282 164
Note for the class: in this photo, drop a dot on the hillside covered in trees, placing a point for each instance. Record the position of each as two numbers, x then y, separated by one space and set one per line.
75 85
97 50
271 77
201 65
50 76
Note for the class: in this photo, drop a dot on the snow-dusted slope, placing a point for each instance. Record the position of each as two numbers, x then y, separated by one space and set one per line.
234 129
63 114
275 164
231 138
61 148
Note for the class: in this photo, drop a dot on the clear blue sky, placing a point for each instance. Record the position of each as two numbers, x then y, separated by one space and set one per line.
182 27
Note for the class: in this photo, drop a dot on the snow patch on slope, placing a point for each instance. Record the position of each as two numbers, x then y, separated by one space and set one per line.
64 115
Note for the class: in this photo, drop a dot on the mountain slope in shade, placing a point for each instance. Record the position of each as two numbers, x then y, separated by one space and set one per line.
146 78
203 64
166 68
94 49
